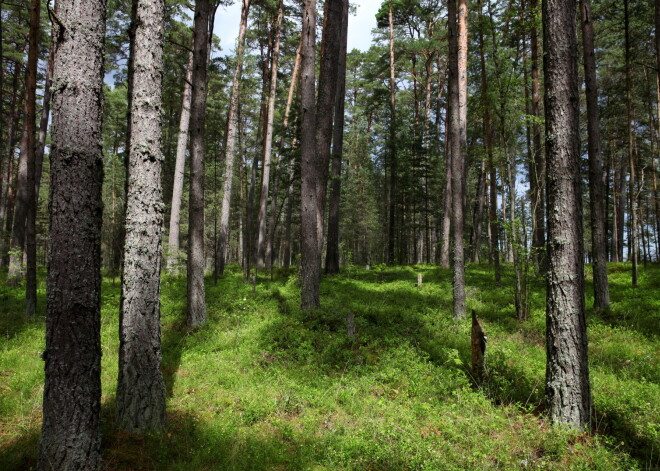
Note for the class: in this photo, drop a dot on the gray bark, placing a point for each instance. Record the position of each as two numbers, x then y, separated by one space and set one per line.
71 436
393 163
140 386
230 145
179 173
567 390
196 259
309 245
597 174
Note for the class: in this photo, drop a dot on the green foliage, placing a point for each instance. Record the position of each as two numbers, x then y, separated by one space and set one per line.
266 386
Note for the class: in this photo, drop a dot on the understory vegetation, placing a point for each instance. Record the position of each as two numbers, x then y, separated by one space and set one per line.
266 386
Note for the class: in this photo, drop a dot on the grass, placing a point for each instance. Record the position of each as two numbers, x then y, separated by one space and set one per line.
264 386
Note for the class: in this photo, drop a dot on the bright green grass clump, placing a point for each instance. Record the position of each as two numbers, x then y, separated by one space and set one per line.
264 386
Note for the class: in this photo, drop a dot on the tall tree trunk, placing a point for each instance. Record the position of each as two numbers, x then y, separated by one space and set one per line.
31 195
332 253
268 145
230 143
71 436
325 101
458 140
633 244
537 164
597 173
567 373
656 198
172 262
25 196
309 245
140 386
394 174
196 258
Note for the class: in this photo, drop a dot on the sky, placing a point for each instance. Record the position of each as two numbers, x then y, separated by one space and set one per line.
359 25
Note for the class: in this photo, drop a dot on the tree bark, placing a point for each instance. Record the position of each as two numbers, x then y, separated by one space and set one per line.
172 262
43 122
196 258
597 173
633 243
25 196
309 245
458 143
332 252
394 174
230 144
71 436
140 386
567 372
268 145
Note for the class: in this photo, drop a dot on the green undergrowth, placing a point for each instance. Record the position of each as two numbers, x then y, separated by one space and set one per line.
264 386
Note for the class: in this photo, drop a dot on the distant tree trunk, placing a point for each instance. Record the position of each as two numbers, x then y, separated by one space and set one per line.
172 262
537 163
7 168
633 244
332 253
71 436
488 142
25 196
446 214
31 196
43 122
230 143
458 143
597 173
309 245
567 373
394 174
140 386
268 145
196 258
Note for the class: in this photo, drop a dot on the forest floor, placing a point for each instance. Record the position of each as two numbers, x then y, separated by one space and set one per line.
264 386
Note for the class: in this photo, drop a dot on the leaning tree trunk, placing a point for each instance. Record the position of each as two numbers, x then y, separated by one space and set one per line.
140 386
268 146
567 372
597 174
172 262
71 436
196 259
309 246
332 251
230 144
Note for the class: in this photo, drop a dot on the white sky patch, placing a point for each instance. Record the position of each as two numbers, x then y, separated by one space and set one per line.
359 25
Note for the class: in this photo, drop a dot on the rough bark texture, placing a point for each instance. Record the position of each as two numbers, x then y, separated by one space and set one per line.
140 386
458 146
309 246
31 196
268 146
71 436
230 144
597 174
196 259
179 173
332 253
478 349
567 372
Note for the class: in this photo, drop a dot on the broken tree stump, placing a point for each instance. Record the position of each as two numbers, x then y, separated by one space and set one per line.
479 341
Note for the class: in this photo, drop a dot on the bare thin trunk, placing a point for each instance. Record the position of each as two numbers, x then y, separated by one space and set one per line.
633 244
172 262
230 144
394 174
